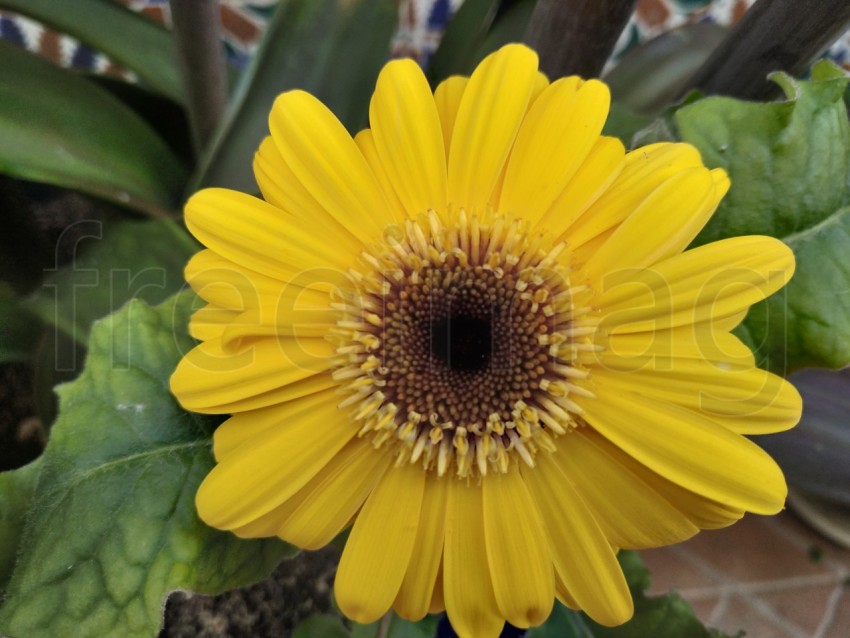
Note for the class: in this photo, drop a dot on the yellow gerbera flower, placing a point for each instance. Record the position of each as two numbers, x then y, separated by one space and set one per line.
472 331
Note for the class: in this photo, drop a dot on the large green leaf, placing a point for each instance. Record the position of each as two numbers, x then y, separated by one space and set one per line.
16 491
464 35
332 48
118 261
653 74
126 36
59 128
112 528
789 163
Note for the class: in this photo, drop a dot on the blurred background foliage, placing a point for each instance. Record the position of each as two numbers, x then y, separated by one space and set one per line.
98 152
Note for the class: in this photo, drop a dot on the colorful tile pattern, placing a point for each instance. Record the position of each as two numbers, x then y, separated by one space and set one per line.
421 23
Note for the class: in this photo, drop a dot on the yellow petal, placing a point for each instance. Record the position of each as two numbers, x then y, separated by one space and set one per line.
745 400
366 143
226 284
447 98
253 233
278 321
556 136
417 589
675 212
247 426
702 512
582 555
328 163
259 475
598 171
517 551
716 280
281 187
408 137
629 512
490 113
467 586
210 322
438 603
644 170
688 450
378 551
658 350
333 497
209 376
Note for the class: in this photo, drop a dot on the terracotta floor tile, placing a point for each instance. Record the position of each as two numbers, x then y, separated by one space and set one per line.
805 607
705 608
740 613
798 530
752 551
839 625
670 571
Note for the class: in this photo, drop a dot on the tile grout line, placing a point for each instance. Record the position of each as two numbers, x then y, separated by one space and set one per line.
767 586
829 614
759 605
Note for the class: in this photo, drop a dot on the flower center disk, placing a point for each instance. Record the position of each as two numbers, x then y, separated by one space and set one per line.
457 343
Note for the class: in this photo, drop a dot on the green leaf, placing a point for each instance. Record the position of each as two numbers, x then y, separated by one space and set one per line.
508 27
20 330
333 49
789 163
393 626
624 123
667 616
321 626
16 491
112 528
129 38
653 74
464 35
57 127
118 261
562 623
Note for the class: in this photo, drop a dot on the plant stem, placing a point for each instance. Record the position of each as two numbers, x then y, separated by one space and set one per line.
576 36
201 59
773 35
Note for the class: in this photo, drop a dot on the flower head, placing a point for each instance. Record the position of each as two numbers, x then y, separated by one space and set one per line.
473 332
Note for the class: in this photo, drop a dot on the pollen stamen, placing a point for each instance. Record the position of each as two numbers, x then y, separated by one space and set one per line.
458 344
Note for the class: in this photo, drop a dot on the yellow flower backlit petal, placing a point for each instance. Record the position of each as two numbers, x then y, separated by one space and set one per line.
325 159
645 169
472 333
417 589
519 558
676 211
629 512
560 129
582 555
702 512
209 375
282 188
333 497
598 171
378 551
489 116
467 585
408 137
715 280
259 475
447 97
689 450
